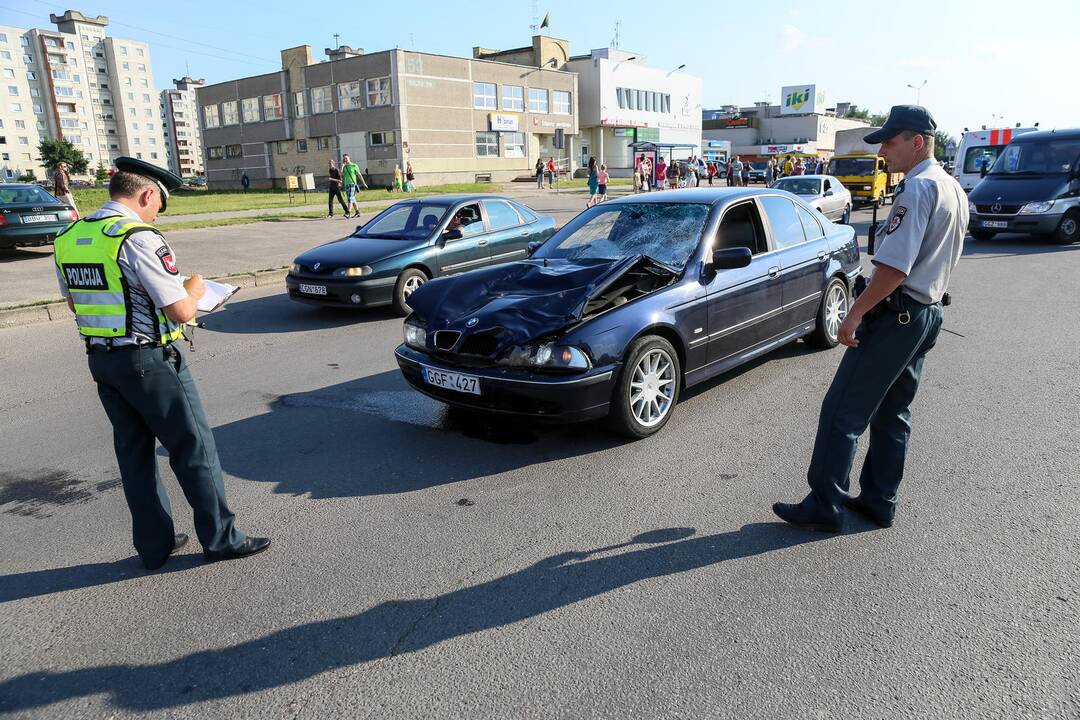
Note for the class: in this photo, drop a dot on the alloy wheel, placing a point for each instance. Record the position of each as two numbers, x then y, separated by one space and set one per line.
411 285
652 387
836 307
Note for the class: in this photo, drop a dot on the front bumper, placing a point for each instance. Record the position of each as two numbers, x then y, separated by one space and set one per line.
512 391
43 234
343 292
1045 224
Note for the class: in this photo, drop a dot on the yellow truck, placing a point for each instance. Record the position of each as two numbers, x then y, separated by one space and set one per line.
857 166
866 177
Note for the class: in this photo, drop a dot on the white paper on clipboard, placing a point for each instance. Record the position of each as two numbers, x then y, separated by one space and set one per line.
217 294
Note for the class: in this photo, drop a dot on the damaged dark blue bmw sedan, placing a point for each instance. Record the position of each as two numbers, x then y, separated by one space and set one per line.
631 302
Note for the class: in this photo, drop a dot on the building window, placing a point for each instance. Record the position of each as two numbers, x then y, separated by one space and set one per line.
282 147
143 82
484 95
20 124
5 55
560 102
135 141
127 81
381 138
272 107
15 107
513 144
210 116
141 67
153 156
378 92
487 144
146 97
229 113
29 60
513 98
301 146
124 66
215 153
234 151
349 97
139 52
13 90
3 39
298 104
323 143
538 100
251 110
148 112
322 101
131 97
9 73
123 50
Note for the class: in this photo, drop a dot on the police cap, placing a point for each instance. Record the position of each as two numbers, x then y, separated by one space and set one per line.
915 118
165 180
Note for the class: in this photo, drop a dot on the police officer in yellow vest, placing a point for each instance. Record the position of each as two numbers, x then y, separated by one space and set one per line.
120 279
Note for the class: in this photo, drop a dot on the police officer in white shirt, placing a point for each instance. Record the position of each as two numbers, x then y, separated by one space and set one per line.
889 330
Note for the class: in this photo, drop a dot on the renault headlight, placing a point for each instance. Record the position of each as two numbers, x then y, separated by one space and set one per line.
1037 208
353 271
549 356
415 336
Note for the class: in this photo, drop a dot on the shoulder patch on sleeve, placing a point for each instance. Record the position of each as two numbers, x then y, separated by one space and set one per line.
164 254
897 218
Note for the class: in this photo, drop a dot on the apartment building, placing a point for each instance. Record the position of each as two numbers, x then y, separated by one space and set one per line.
80 84
180 119
456 119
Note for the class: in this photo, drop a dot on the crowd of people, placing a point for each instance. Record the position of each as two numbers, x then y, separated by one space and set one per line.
663 174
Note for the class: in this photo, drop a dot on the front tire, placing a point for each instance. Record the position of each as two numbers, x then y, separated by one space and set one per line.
1068 230
832 311
408 282
647 388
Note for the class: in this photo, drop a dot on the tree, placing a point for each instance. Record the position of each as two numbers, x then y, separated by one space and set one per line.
101 175
854 112
53 152
941 141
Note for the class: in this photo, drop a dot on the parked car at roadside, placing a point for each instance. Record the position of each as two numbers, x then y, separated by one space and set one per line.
822 192
631 302
30 215
403 247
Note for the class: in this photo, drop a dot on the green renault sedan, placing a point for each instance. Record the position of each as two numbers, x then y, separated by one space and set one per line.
30 215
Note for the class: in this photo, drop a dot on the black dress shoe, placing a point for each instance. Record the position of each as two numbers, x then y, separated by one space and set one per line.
250 546
875 516
799 514
179 541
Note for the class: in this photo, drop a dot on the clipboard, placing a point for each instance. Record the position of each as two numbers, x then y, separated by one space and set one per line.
217 294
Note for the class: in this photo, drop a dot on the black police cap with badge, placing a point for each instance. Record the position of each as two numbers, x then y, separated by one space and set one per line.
914 118
165 180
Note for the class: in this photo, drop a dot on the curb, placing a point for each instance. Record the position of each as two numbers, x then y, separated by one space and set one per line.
49 312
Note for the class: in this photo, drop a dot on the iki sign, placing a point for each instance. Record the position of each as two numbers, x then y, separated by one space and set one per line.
802 99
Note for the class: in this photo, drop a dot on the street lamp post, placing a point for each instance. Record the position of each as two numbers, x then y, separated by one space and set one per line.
918 90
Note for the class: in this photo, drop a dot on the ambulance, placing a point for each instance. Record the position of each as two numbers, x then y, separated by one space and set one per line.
978 151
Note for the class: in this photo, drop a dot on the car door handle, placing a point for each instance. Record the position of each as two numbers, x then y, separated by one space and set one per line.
525 233
774 271
481 242
821 255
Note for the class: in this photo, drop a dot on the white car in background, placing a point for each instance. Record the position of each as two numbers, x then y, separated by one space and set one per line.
824 193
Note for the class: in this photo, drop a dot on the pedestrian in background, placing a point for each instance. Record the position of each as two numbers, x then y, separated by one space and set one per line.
710 169
398 178
333 188
410 177
889 330
639 162
552 172
647 174
736 171
245 182
770 172
121 280
602 183
349 173
62 185
789 166
660 179
539 172
746 173
592 183
729 167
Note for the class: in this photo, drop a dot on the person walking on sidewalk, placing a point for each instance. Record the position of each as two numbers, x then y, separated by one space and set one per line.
333 188
120 278
602 183
62 185
592 183
889 330
410 177
350 171
553 173
539 172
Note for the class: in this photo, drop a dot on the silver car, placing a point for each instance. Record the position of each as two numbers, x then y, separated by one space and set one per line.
823 192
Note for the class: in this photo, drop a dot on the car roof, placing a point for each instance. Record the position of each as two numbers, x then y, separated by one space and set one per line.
20 185
1043 135
452 199
691 195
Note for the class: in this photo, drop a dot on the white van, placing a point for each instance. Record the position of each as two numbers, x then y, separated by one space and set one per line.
978 151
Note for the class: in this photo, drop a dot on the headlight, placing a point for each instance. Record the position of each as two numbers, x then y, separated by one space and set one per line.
1035 208
415 336
971 208
353 271
867 187
295 267
548 355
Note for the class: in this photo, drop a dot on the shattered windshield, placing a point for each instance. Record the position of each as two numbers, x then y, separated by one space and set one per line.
667 232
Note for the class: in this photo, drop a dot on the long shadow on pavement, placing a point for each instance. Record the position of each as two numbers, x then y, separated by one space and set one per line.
397 627
278 314
334 441
35 583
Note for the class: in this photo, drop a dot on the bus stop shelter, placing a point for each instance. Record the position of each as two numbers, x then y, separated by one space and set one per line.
657 149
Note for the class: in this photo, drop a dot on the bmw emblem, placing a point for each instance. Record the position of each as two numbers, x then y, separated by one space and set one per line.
316 266
471 322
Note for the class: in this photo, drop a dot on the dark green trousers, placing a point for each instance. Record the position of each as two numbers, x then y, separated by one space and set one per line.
149 394
873 387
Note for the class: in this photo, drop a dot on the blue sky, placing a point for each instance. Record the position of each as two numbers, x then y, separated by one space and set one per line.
983 62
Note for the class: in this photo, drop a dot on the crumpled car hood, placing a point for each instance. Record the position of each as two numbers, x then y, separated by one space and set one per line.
518 302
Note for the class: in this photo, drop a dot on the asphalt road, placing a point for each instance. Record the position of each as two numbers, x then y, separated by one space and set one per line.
428 566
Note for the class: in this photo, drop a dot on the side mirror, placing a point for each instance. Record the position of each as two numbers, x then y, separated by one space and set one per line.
982 170
454 234
731 258
829 192
532 247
